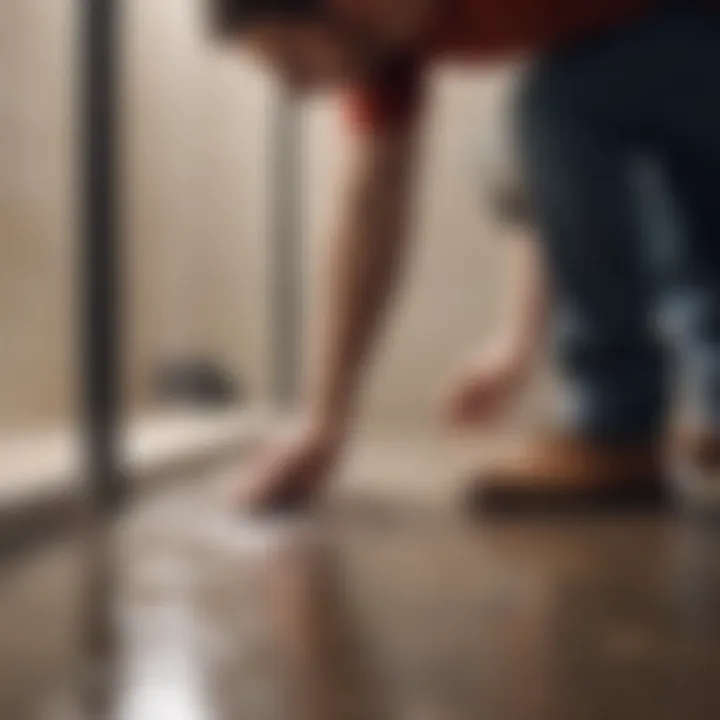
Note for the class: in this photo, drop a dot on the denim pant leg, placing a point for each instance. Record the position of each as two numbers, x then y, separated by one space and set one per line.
577 139
585 116
687 143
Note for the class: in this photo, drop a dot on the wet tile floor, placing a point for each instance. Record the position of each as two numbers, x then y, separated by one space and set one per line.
183 613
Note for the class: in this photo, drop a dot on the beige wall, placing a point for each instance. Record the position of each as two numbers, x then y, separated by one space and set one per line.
194 144
36 217
197 194
196 212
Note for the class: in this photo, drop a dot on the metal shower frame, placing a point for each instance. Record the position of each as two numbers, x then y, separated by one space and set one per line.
101 250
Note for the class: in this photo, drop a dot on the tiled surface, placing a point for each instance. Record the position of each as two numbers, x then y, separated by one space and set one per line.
374 609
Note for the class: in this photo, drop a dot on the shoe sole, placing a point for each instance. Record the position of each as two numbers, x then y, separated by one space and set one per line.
632 496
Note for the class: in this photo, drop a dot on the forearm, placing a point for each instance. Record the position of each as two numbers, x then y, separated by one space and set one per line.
361 272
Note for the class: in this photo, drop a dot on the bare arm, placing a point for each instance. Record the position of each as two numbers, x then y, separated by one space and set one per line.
363 265
483 387
362 269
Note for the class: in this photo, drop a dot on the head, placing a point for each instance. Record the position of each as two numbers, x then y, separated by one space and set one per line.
314 43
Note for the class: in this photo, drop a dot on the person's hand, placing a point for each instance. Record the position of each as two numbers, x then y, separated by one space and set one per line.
290 472
481 390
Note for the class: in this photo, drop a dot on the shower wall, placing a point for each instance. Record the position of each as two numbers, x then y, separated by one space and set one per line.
196 213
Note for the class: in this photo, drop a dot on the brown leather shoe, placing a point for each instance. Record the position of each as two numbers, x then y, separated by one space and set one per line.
566 472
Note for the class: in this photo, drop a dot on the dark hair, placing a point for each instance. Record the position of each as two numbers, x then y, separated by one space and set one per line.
231 15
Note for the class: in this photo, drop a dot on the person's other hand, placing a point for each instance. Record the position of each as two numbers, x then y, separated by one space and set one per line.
481 390
290 472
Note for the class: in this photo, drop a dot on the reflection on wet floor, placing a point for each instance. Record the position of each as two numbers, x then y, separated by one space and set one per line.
182 612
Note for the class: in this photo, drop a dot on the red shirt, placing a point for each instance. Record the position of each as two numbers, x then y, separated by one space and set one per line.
483 29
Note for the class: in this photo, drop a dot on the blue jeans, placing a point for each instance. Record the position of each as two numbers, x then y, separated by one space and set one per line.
587 116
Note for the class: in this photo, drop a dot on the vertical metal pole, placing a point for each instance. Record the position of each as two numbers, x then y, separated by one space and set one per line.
100 284
99 346
286 250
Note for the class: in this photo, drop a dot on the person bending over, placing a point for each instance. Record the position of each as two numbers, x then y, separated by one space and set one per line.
610 80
